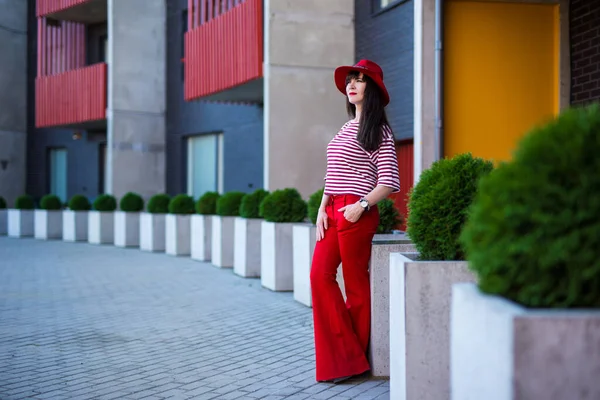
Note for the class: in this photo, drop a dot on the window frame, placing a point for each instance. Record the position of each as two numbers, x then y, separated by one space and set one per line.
377 9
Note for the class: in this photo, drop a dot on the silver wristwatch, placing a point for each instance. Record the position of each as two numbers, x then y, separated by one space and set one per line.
364 203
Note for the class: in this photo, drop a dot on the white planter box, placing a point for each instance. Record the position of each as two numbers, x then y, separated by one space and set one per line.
277 260
222 241
101 227
127 229
201 237
75 226
48 224
177 236
20 223
246 252
503 351
420 295
3 222
152 232
304 241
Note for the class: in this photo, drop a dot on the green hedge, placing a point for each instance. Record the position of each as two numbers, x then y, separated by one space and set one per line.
51 202
25 202
105 203
159 204
79 203
181 204
389 216
438 205
314 202
2 203
250 205
228 205
207 203
284 205
131 202
533 235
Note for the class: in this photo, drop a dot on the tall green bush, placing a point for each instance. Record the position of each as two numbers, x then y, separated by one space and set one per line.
159 204
79 203
438 205
250 205
228 205
284 205
2 203
533 235
131 202
25 202
314 202
207 203
105 203
181 204
389 216
51 202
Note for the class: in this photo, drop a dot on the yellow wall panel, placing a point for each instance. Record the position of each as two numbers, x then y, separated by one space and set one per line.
500 74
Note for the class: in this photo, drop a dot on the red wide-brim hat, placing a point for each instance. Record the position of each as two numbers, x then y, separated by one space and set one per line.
367 67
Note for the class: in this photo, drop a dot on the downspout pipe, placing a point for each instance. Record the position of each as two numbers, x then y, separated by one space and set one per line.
438 86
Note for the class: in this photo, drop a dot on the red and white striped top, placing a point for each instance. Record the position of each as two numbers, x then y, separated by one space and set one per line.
353 170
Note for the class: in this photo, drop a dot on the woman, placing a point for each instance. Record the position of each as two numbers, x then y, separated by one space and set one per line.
361 171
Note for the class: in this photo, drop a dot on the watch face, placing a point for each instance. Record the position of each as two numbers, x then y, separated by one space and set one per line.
364 203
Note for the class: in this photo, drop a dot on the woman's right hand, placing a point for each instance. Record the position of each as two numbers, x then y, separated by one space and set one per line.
321 224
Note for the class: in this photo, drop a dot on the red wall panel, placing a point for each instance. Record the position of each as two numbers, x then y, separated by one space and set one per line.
404 153
45 7
223 46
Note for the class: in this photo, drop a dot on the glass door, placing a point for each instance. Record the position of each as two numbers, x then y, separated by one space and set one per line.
58 173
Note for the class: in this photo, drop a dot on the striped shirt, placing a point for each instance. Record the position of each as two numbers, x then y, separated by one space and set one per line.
353 170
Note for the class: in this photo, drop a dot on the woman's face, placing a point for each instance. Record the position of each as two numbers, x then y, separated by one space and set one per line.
355 88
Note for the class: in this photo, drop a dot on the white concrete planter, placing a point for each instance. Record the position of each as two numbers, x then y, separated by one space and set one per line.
420 300
20 223
277 262
177 237
3 222
304 241
101 227
222 241
75 226
127 229
503 351
48 224
246 248
152 232
201 237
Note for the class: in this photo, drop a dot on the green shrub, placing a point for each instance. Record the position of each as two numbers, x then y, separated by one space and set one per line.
181 204
2 203
533 234
131 202
438 205
51 202
105 202
207 203
25 202
284 205
79 203
314 202
250 205
228 205
159 204
389 216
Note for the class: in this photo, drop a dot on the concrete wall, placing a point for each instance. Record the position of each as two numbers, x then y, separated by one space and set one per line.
304 42
387 39
13 98
136 96
242 125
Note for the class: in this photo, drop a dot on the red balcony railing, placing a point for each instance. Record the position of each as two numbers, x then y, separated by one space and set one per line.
224 45
45 7
71 97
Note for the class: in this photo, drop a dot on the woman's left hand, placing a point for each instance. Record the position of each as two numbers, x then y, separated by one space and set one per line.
352 212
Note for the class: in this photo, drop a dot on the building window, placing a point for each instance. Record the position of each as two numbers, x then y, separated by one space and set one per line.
58 173
205 164
378 6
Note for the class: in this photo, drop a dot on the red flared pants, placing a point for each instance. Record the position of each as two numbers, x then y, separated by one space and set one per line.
342 329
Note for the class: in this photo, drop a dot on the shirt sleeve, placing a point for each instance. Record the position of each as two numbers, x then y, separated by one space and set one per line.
387 162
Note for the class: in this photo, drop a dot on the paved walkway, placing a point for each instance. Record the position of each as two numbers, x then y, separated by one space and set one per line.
96 322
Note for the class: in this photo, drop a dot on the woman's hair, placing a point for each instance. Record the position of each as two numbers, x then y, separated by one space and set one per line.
373 117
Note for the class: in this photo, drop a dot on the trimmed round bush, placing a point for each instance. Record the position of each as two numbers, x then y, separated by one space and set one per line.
79 203
250 205
438 205
25 202
207 203
131 202
159 204
2 203
51 202
314 202
533 234
105 203
228 205
284 205
389 216
181 204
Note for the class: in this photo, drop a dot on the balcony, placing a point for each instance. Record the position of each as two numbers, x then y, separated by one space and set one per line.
72 99
224 51
82 11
